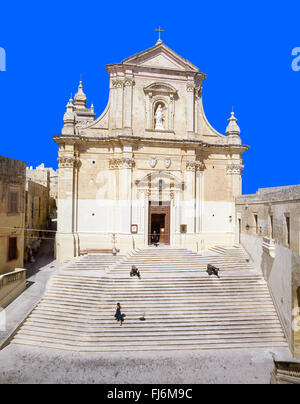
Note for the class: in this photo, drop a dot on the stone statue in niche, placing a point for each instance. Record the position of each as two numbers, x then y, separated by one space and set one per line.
159 118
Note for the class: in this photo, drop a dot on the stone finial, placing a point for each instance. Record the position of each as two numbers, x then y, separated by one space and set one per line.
69 119
80 97
233 128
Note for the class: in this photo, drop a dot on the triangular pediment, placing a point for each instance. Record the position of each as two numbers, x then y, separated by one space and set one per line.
160 56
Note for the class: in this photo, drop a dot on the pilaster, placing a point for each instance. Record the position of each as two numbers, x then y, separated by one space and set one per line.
190 107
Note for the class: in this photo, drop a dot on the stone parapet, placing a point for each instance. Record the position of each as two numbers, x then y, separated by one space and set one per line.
286 193
11 285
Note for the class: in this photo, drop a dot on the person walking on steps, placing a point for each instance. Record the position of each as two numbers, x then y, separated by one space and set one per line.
119 316
155 239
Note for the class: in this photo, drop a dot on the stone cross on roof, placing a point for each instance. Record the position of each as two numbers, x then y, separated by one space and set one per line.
159 30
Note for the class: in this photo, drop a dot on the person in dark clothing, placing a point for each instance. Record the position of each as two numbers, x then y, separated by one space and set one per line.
155 238
118 315
135 272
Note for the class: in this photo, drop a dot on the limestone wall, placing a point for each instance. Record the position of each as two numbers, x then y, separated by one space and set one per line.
12 215
110 168
273 244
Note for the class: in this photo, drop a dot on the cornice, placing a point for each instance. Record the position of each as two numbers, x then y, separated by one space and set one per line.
135 139
119 67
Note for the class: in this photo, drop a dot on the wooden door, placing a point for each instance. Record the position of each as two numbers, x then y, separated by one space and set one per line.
160 210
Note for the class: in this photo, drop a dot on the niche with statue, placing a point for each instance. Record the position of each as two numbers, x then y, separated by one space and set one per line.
160 99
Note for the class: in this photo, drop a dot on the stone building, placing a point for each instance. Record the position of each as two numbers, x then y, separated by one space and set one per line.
150 164
269 227
12 213
12 219
41 194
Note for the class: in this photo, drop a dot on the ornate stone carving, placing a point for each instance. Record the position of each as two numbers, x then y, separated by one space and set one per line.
168 162
66 162
153 161
195 165
83 124
198 91
117 163
117 83
190 87
77 162
234 169
128 82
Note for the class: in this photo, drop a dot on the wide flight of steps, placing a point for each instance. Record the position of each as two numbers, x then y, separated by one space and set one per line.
158 261
175 306
236 251
94 261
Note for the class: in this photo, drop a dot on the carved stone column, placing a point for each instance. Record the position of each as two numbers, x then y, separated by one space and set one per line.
190 107
65 193
199 197
117 103
194 170
171 114
128 86
235 171
124 166
148 111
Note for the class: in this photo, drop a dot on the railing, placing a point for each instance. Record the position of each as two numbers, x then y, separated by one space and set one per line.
17 275
268 246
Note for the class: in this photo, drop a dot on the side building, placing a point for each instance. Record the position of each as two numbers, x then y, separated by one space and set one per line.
269 229
12 221
41 194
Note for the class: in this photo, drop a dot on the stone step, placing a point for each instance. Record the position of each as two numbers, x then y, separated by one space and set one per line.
158 297
172 316
154 318
136 285
49 322
123 336
151 292
64 308
168 347
72 341
109 299
153 281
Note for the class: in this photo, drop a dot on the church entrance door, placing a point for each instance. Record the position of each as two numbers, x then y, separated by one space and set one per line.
159 222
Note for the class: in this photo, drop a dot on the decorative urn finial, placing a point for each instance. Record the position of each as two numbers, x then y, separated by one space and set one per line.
233 128
233 131
80 97
69 119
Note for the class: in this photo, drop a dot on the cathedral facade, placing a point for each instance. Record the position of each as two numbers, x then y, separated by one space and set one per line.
151 167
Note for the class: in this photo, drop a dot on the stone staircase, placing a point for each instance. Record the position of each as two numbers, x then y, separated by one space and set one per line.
232 251
175 306
94 262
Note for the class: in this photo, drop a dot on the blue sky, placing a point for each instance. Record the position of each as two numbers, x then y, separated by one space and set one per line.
244 48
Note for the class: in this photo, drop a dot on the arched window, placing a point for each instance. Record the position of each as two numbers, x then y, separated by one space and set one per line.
160 185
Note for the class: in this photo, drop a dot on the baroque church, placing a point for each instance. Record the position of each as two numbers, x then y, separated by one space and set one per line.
150 165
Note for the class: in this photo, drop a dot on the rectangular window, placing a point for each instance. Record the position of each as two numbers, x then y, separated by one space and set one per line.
183 228
288 230
271 226
13 202
12 248
256 223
